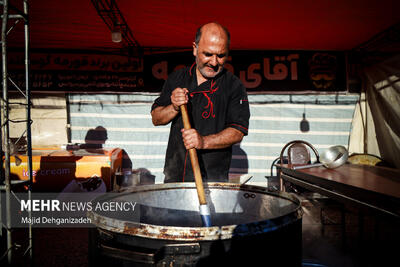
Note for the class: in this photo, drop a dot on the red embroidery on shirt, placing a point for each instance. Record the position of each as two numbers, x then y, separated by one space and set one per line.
210 105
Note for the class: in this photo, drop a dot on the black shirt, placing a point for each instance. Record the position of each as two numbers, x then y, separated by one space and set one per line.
213 106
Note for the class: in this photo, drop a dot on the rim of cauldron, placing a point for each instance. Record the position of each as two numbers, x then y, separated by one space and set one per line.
181 233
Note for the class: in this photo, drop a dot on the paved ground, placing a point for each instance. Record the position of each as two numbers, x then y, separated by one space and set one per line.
366 240
53 247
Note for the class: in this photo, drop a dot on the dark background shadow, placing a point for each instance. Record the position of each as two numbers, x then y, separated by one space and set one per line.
95 138
242 163
94 142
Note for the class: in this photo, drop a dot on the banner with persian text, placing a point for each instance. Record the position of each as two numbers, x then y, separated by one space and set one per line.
321 71
260 71
78 72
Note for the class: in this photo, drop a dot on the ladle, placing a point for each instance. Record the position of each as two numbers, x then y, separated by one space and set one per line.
333 157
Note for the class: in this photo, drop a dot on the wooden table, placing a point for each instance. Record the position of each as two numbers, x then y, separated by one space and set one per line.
371 187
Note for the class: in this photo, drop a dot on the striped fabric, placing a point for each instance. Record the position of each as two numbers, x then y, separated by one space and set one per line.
275 121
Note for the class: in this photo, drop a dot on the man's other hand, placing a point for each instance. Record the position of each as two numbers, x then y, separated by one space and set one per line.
192 139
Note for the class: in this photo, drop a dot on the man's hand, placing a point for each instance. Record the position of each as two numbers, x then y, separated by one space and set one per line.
179 97
192 139
225 138
163 115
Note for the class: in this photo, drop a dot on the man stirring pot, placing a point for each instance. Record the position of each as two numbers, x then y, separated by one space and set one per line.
218 108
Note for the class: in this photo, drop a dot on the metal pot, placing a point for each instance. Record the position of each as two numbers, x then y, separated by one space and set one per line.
333 157
251 227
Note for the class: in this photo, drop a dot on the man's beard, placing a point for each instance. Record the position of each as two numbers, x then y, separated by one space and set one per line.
217 69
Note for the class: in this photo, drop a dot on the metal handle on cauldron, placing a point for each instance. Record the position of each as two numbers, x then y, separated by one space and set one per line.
150 257
204 209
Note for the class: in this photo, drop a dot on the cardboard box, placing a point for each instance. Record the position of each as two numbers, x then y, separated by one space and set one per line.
53 170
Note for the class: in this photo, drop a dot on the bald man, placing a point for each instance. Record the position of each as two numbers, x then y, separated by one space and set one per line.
217 105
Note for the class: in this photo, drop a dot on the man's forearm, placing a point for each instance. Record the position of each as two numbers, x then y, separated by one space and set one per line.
223 139
163 114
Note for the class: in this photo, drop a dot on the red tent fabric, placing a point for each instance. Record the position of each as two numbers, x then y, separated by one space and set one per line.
254 24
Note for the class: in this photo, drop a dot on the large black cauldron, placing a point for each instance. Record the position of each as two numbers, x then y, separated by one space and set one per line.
251 227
